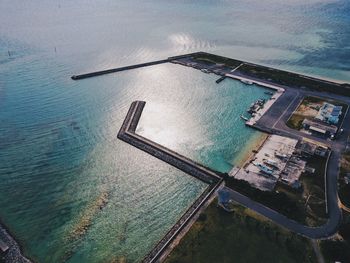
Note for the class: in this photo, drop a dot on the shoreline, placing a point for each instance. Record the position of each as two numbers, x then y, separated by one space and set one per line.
14 253
251 145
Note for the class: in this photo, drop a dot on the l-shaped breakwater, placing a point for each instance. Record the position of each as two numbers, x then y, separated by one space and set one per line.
128 134
222 65
118 69
112 70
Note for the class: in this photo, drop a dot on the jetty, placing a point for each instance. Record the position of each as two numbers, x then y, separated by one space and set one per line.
10 250
113 70
128 134
135 66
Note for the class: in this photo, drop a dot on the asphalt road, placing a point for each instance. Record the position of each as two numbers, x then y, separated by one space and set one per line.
276 117
334 212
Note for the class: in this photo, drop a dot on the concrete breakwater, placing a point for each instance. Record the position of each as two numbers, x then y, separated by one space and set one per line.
13 253
141 65
157 252
112 70
127 134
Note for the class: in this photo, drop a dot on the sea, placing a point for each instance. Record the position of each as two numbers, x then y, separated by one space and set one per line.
70 191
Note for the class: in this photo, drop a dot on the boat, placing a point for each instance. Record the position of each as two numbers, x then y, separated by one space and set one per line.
268 93
248 82
264 169
281 155
244 118
272 163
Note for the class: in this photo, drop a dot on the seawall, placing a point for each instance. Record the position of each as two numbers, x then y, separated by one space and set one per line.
127 134
112 70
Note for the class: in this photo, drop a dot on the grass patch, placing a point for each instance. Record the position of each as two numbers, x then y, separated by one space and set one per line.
311 200
215 59
308 108
239 237
295 121
338 249
293 80
290 202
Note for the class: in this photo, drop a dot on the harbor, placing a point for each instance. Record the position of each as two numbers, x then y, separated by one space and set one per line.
275 160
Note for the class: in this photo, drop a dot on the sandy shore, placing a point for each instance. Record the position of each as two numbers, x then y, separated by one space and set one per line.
247 152
13 254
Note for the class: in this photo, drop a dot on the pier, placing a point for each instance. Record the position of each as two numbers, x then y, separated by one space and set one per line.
220 79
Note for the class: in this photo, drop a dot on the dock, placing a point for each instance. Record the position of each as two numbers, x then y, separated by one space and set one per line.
220 79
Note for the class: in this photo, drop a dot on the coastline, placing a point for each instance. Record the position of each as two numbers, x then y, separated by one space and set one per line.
253 144
14 252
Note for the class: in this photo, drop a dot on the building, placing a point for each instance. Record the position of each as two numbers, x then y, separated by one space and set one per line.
321 151
320 127
329 113
308 148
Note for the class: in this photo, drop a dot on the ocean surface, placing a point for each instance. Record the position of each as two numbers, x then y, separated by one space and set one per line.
60 158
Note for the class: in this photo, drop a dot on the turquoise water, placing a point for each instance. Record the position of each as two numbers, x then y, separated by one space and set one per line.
58 147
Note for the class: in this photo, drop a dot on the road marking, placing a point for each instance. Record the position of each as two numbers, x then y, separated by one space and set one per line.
284 112
237 67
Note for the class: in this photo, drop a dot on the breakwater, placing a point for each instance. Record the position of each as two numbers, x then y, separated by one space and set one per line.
113 70
127 134
156 253
13 254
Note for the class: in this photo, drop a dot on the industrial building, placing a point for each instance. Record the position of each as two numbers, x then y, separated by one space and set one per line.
329 113
274 161
308 148
320 127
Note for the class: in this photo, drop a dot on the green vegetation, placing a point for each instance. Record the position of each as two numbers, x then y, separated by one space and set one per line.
214 59
241 236
339 249
308 108
344 189
310 200
306 206
293 80
278 201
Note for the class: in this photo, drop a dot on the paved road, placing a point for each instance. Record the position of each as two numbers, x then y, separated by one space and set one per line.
335 216
276 118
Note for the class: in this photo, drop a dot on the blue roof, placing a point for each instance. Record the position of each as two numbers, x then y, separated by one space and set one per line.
336 111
